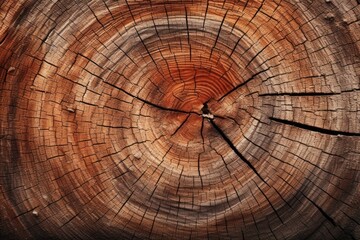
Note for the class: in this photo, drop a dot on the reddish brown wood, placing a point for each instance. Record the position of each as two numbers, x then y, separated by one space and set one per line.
179 119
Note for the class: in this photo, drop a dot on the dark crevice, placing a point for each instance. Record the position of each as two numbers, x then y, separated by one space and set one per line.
313 128
177 129
96 17
48 34
188 31
327 216
107 7
245 5
68 221
307 93
203 145
218 34
223 159
237 43
206 12
268 200
179 182
128 6
258 10
3 39
205 109
149 52
352 219
199 172
243 83
256 55
25 11
146 48
123 205
231 145
90 60
150 103
233 27
207 114
202 135
298 94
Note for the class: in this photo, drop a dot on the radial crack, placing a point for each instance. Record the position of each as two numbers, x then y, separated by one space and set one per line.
327 216
150 103
178 128
231 145
243 83
300 94
313 128
218 34
271 205
203 145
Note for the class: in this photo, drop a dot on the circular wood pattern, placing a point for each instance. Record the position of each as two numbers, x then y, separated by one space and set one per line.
180 119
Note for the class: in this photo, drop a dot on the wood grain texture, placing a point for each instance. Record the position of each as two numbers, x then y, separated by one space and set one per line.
180 119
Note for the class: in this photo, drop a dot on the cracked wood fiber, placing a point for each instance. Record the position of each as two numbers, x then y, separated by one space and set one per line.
179 119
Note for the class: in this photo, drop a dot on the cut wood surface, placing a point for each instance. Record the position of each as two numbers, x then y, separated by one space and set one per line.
180 119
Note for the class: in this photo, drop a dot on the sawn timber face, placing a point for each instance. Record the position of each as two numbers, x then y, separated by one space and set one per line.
179 119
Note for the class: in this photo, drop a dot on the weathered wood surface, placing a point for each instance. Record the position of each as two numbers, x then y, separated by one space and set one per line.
180 119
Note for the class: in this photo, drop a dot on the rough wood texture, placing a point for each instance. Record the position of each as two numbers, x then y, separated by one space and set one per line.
180 119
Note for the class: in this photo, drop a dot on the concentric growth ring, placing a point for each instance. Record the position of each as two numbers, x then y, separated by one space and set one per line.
179 119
